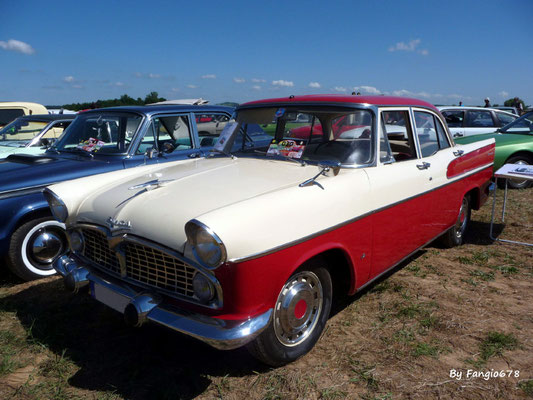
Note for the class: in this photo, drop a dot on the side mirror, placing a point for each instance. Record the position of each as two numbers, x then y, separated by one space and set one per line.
329 167
45 142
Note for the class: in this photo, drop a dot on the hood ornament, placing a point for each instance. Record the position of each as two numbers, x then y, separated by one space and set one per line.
151 184
117 224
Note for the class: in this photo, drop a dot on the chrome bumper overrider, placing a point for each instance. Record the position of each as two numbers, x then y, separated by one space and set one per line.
141 306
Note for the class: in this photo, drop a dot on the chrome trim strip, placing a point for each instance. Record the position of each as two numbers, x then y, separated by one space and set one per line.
114 242
340 225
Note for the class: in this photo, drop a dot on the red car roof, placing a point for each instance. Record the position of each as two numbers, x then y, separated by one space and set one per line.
342 98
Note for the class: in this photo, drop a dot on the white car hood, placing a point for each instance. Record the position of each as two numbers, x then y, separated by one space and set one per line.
188 190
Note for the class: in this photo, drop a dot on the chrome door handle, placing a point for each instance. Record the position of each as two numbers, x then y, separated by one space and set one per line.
458 135
194 155
458 153
424 165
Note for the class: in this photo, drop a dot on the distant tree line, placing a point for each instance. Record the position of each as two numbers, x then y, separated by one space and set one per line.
124 100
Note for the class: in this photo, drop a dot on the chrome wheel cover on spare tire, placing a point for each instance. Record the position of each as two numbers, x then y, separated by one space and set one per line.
298 308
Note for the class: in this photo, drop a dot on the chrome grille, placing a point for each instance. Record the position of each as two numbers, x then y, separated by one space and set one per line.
155 268
96 249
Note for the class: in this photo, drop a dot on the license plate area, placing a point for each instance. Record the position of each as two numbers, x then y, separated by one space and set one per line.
110 298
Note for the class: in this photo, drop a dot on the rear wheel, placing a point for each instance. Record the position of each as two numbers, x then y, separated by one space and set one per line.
516 183
299 317
34 246
455 235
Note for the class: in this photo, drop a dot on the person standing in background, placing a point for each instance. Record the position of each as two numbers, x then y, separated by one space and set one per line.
487 102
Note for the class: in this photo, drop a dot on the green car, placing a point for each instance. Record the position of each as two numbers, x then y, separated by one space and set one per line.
514 145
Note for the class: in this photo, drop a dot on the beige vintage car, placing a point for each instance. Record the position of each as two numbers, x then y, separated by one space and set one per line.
11 110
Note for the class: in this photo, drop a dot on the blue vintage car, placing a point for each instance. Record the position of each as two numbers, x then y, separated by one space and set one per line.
97 141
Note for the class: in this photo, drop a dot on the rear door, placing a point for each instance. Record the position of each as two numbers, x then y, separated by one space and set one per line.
479 121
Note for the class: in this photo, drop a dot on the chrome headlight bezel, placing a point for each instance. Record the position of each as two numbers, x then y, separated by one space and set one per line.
204 241
57 206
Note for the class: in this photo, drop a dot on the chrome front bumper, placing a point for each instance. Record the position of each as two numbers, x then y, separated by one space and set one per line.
140 306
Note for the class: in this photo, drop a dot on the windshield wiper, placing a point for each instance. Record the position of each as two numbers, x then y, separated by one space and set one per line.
81 151
296 160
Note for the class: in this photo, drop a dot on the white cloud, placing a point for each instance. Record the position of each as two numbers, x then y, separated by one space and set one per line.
340 89
77 86
69 79
314 85
175 89
424 52
209 76
119 84
192 86
503 93
257 80
17 45
154 76
256 87
239 80
138 74
281 82
367 89
402 46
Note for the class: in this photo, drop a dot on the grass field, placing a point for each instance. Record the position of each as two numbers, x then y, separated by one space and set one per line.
468 308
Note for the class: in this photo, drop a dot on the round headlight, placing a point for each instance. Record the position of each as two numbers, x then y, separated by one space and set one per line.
203 288
59 209
76 241
206 245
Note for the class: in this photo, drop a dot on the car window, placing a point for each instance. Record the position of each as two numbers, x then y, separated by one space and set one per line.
100 133
479 119
209 127
454 118
7 115
431 134
173 133
504 118
21 130
56 131
396 125
312 134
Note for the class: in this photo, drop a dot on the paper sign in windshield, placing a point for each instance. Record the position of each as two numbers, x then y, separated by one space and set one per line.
91 145
287 147
225 136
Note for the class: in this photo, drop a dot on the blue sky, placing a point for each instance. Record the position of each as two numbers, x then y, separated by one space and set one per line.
57 52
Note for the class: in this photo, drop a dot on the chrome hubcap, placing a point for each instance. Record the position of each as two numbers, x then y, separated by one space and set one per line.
45 246
298 307
460 226
517 182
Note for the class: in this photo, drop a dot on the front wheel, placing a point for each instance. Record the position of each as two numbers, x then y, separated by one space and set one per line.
34 246
299 317
455 235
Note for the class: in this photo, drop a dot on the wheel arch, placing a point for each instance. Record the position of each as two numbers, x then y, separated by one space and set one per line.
340 266
528 154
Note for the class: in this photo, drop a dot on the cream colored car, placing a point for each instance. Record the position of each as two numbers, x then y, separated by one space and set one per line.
11 110
252 245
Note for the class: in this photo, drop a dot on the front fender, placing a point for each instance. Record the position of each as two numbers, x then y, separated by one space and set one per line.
15 209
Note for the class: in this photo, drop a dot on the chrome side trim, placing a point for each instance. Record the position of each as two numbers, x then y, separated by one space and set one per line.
340 225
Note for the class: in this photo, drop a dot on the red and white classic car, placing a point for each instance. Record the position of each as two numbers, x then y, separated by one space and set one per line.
251 245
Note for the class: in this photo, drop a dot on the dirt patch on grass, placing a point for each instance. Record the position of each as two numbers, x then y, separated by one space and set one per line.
463 309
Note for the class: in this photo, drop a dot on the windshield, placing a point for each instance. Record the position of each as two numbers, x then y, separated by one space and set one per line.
311 134
20 132
102 133
524 124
